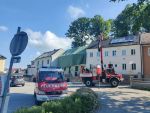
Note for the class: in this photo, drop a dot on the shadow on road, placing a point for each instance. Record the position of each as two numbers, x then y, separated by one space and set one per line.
124 105
18 100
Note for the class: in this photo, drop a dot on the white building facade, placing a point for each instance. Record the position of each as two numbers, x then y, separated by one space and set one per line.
126 59
47 59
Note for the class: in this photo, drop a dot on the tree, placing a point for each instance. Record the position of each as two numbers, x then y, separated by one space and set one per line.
131 20
85 29
139 1
79 31
145 17
99 25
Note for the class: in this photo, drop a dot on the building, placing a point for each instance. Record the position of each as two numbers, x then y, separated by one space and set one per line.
145 48
47 59
72 60
2 63
124 53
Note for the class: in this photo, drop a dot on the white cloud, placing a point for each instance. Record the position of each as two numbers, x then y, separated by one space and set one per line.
75 12
47 41
38 53
3 28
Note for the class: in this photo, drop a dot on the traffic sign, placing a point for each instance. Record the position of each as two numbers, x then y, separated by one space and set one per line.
16 59
18 43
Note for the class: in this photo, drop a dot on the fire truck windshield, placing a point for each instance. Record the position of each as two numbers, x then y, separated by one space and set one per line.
50 76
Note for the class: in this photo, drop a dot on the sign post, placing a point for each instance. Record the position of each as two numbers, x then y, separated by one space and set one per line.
17 46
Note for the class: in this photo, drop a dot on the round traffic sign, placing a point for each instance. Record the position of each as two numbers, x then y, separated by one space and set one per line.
18 43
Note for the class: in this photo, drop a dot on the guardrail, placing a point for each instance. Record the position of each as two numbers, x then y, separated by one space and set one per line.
140 83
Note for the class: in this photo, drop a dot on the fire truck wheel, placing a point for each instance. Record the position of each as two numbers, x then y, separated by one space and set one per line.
114 82
88 82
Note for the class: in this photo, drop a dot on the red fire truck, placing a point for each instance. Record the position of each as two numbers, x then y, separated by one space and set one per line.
98 74
49 85
95 75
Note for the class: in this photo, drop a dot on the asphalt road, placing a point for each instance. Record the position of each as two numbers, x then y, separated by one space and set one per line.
112 100
21 97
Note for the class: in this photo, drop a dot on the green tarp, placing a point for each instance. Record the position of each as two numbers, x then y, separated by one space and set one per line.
71 57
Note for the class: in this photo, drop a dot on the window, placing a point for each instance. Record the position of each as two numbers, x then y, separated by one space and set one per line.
76 68
91 54
133 66
98 54
123 52
115 65
132 51
123 66
38 63
42 63
148 51
32 63
47 61
114 53
64 68
90 66
69 70
106 53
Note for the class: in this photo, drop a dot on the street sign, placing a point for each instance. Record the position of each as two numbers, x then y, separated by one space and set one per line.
17 46
16 59
18 43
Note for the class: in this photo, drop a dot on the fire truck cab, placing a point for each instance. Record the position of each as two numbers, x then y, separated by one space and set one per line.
90 77
49 85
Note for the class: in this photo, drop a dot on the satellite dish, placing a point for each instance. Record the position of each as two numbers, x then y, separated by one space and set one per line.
18 43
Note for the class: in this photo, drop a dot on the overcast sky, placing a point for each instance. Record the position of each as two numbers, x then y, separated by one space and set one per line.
46 22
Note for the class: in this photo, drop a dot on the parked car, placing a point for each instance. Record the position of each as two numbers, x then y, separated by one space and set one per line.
17 79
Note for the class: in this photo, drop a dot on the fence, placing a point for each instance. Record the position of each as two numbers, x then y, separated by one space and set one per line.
140 83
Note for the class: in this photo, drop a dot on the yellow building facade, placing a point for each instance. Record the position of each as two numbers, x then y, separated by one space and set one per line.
2 63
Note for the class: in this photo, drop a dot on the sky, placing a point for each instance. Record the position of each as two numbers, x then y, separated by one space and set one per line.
46 22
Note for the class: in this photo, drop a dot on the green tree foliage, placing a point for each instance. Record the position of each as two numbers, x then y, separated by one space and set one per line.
132 19
85 29
99 25
139 1
79 31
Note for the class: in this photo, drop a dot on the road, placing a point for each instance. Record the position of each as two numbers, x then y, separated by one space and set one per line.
113 100
21 97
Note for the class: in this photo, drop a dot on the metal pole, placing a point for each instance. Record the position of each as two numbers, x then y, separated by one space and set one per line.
6 90
101 54
5 97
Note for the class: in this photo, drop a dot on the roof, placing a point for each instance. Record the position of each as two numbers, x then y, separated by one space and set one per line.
2 57
71 57
78 50
47 54
122 41
145 38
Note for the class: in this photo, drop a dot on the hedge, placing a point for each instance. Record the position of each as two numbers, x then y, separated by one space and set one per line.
84 100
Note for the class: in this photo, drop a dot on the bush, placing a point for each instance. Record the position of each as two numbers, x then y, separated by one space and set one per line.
22 110
33 109
88 99
53 106
84 100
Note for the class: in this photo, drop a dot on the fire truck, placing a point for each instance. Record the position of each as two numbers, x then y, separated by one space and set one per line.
93 76
49 85
98 74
